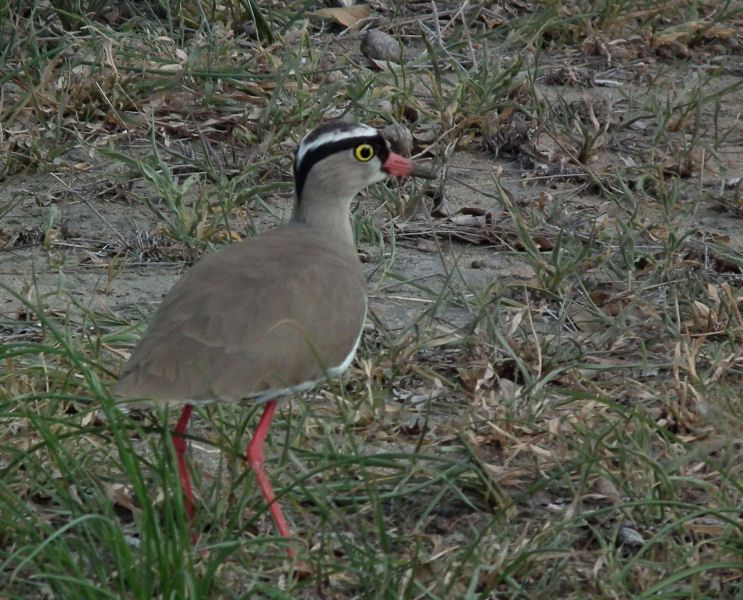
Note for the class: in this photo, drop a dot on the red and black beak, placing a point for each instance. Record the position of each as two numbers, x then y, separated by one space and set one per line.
398 166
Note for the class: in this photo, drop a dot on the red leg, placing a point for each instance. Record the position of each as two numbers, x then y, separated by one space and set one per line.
255 460
179 444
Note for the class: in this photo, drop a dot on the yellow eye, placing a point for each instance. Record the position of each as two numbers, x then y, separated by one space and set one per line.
363 152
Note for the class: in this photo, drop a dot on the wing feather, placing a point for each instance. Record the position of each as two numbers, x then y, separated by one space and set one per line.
273 312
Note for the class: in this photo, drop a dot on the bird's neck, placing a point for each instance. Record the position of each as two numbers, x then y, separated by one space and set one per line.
328 213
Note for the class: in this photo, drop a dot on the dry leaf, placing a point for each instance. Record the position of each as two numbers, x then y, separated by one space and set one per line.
384 65
706 526
346 16
607 489
476 375
123 495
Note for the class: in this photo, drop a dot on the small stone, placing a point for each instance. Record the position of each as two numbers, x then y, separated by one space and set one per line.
399 137
629 536
248 28
378 45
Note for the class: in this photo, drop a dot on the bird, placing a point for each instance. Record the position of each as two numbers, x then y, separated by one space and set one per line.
274 315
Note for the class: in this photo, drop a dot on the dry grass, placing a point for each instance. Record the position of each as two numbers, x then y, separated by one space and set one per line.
546 402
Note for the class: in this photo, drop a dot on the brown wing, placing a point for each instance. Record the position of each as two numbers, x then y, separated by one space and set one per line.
273 312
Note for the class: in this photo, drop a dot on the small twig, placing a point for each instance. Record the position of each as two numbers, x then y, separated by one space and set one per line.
466 31
438 37
91 207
